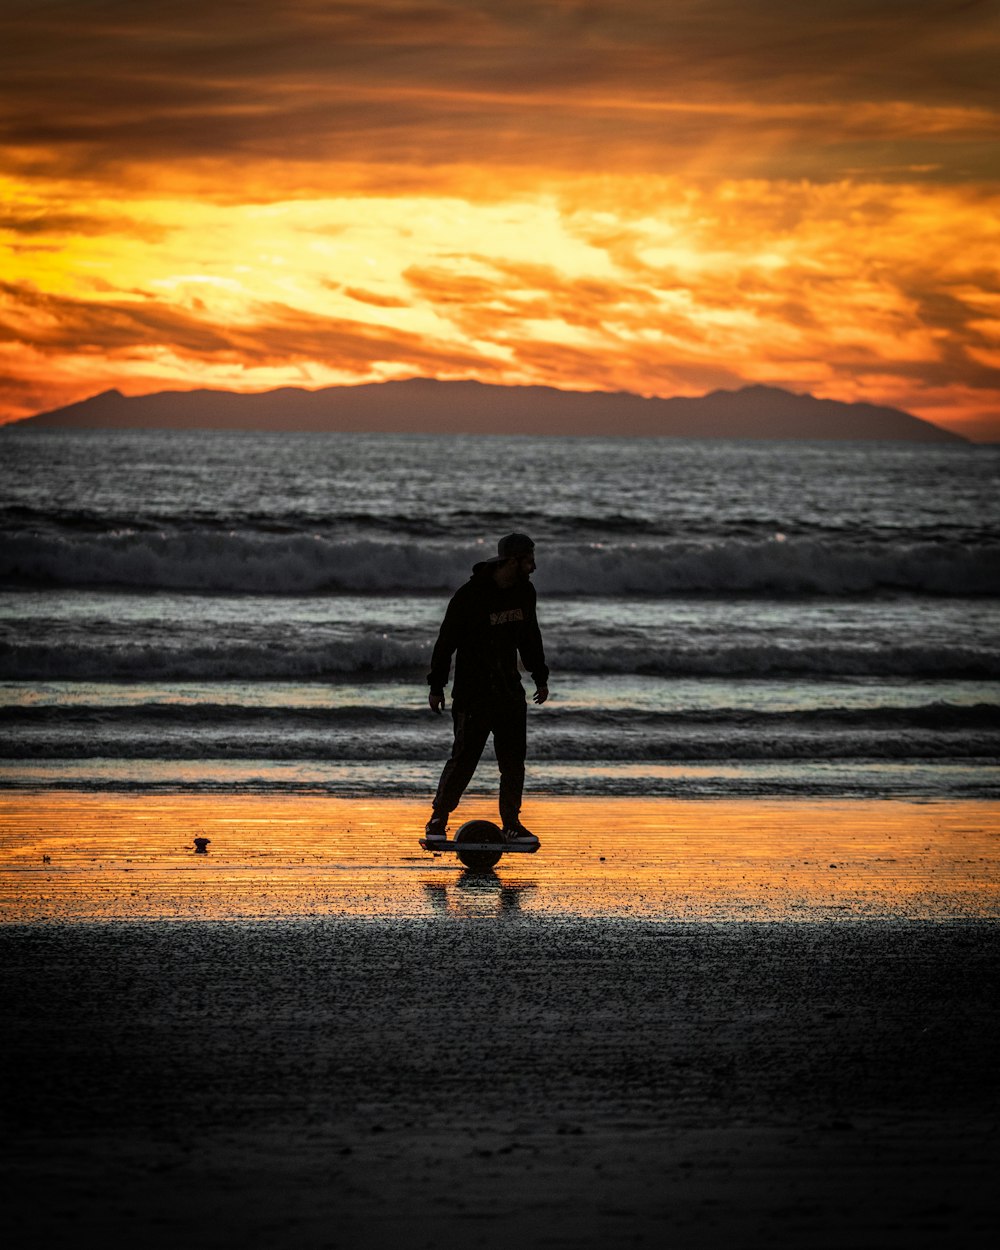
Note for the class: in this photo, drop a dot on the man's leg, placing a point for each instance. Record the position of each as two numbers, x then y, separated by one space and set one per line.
510 741
472 728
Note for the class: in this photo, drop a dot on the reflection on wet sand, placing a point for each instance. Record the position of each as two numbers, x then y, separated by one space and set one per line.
88 857
477 894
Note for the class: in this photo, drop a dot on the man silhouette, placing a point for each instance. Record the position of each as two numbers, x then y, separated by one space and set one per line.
489 621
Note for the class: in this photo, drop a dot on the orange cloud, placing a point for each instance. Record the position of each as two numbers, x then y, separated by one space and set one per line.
370 297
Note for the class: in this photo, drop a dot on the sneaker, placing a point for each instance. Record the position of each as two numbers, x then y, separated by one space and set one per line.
436 829
517 833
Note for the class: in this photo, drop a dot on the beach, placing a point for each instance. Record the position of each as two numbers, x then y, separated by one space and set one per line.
691 1023
744 995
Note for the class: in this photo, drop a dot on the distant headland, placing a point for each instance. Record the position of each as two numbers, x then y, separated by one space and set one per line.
427 406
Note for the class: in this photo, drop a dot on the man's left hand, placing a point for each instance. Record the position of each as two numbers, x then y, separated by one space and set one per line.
541 694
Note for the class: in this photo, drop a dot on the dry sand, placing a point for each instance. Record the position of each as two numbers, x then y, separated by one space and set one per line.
315 1037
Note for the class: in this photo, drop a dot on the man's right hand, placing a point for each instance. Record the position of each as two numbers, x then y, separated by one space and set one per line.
435 701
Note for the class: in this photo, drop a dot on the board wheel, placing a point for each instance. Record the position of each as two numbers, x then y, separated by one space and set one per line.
479 831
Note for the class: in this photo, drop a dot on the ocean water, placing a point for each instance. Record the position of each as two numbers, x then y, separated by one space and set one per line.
244 611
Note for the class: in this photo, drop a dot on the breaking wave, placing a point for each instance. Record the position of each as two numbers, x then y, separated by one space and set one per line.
412 713
380 654
411 734
284 564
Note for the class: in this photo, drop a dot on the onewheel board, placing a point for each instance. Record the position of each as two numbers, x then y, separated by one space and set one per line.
478 844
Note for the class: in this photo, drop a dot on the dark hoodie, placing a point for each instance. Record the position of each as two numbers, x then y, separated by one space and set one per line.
485 628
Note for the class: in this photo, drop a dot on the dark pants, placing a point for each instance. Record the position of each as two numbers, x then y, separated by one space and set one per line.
507 722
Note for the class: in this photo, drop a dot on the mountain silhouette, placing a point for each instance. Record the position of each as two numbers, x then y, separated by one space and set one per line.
427 406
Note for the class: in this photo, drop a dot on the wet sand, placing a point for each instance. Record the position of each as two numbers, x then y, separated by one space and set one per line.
748 1024
82 857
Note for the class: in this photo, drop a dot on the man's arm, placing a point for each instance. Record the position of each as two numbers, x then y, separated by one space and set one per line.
533 653
444 649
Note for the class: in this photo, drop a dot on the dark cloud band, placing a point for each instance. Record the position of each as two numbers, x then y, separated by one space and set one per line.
772 87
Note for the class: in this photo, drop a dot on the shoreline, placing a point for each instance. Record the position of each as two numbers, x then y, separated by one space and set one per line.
78 856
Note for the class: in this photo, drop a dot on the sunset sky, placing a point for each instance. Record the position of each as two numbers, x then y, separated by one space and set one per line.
662 196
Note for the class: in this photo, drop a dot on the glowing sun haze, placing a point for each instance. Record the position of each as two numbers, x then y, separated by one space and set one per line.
661 196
